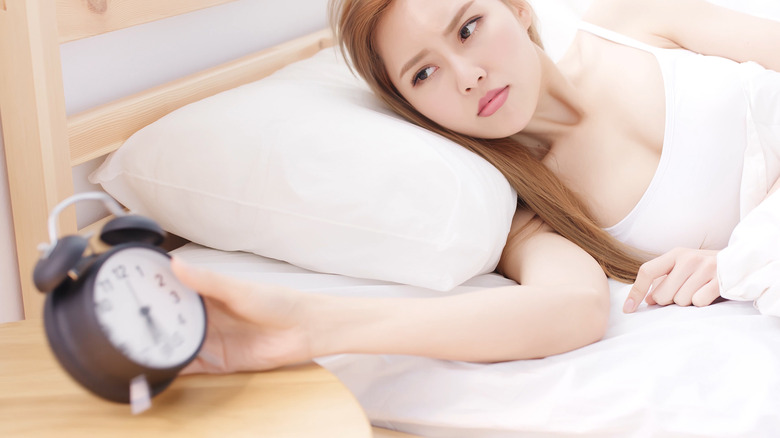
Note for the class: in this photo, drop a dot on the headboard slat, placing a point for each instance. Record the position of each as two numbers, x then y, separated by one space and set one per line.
32 104
99 131
84 18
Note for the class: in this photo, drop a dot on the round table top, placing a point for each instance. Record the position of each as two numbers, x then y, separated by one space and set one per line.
38 398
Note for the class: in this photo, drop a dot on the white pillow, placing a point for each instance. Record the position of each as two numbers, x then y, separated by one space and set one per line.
307 166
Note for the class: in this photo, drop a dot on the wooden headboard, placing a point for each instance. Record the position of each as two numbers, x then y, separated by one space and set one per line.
42 143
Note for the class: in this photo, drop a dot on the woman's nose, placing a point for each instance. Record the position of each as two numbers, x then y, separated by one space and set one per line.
468 75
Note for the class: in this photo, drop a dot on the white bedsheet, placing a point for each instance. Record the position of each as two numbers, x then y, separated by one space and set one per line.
682 372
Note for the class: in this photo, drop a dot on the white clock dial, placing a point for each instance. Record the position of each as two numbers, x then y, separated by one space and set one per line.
145 311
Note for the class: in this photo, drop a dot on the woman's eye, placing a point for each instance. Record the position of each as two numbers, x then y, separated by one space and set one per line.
423 75
468 29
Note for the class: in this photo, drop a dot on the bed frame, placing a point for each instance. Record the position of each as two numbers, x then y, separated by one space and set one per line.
42 143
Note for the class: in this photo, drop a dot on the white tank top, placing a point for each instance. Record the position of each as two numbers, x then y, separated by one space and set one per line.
693 199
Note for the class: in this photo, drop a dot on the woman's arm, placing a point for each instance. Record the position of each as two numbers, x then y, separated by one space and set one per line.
563 304
696 25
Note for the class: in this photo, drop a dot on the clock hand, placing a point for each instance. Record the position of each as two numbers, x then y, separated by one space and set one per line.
132 292
156 334
159 336
155 331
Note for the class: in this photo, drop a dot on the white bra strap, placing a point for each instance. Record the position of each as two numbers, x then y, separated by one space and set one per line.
616 37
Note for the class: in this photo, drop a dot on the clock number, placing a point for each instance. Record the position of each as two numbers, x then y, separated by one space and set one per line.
104 306
175 297
182 321
106 285
177 339
173 342
140 271
120 272
160 280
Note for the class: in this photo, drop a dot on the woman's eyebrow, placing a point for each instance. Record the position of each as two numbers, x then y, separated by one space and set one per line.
457 19
453 24
415 59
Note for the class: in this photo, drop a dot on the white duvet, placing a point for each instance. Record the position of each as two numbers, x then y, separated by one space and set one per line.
672 371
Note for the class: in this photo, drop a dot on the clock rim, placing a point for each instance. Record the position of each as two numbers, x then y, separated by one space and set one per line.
77 297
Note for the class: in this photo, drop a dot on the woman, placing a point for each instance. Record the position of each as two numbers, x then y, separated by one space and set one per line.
581 140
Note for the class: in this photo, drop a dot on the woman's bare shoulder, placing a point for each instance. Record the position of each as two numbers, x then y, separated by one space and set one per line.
642 20
604 12
526 223
535 254
697 25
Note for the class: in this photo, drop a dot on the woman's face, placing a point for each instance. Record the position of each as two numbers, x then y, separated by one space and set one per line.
468 65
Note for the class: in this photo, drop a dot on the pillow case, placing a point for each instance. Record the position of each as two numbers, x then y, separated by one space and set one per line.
308 167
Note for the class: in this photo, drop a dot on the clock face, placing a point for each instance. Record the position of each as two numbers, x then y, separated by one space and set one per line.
145 311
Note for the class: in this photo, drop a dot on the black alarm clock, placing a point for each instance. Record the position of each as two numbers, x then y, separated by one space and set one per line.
118 316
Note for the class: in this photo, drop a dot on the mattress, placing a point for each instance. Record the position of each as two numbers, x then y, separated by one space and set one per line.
663 371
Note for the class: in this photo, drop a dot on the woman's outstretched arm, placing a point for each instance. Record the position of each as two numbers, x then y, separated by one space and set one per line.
562 304
696 25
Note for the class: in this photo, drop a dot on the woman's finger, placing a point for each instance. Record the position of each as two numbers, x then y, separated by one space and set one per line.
261 304
676 282
684 295
707 294
649 298
648 273
700 278
195 367
206 283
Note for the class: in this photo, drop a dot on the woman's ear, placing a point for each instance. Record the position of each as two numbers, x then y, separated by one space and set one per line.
526 15
522 10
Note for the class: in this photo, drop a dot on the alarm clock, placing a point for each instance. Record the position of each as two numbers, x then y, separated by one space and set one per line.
115 316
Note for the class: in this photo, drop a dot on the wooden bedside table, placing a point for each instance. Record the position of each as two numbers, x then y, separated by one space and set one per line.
38 399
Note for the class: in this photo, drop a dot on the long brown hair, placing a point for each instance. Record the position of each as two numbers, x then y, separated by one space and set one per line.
355 23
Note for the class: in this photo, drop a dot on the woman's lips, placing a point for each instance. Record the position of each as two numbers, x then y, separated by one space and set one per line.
493 101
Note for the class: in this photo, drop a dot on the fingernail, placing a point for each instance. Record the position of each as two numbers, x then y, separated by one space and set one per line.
182 265
177 260
628 307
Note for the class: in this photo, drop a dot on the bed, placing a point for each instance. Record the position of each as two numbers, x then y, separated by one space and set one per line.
660 372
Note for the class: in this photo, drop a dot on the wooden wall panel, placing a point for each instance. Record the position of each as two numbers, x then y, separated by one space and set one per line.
84 18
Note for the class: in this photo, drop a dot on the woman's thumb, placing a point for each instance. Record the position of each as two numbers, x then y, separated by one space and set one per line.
203 281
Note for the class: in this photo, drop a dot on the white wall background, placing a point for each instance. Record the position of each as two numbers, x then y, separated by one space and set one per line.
138 58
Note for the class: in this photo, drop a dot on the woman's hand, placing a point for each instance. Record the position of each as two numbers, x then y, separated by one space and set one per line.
682 276
251 327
